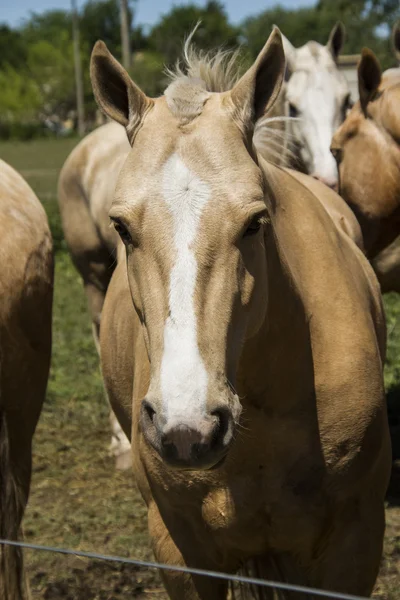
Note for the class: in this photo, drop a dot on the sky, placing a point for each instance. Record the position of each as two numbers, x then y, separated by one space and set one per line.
148 12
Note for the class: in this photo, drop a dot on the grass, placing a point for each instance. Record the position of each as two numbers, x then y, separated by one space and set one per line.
78 500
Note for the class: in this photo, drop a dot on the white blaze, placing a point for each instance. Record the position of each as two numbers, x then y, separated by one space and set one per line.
183 376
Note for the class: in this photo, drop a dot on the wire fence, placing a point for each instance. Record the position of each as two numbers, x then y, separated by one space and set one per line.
277 585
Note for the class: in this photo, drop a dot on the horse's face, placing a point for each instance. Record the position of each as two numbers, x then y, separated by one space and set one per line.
190 209
318 96
366 148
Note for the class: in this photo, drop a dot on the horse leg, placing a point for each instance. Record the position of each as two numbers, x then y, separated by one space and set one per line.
120 446
181 586
13 498
16 433
349 560
387 267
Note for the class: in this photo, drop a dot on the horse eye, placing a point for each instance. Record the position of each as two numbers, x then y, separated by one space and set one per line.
293 111
253 228
122 232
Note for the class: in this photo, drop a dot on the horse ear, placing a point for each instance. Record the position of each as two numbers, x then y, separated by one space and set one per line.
290 54
336 39
115 93
256 91
396 40
369 77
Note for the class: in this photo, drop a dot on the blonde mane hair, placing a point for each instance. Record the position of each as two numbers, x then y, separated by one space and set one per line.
199 74
218 70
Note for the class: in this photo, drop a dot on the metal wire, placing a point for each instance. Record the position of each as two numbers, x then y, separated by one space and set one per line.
213 574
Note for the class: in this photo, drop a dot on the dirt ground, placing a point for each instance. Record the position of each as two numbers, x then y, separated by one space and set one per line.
77 499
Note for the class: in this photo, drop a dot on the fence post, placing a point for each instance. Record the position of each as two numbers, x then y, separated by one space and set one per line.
78 70
125 31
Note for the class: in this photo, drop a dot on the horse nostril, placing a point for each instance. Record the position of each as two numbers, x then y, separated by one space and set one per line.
148 410
224 419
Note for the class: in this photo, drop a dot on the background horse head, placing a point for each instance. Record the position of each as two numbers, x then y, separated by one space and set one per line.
367 150
317 94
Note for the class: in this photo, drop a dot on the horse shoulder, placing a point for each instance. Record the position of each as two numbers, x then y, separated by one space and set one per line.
342 304
336 207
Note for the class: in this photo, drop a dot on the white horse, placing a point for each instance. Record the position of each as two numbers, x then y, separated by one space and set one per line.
317 95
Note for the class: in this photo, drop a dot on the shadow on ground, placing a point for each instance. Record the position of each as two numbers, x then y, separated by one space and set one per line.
393 404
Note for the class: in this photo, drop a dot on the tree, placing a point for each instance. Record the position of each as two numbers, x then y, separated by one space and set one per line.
299 26
167 37
51 68
47 26
100 20
373 12
12 48
147 72
367 22
19 96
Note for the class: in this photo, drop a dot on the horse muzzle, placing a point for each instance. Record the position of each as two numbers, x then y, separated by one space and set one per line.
196 444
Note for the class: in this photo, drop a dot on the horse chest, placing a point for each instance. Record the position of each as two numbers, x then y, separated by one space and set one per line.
245 514
256 514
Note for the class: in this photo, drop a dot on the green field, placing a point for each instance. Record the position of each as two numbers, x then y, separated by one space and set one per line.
78 500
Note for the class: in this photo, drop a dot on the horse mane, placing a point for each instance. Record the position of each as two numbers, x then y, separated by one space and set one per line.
215 70
200 73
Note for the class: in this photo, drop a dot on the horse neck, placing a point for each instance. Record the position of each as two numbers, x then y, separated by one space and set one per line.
278 357
380 230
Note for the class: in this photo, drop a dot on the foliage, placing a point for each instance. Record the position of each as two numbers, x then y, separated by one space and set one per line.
365 22
37 79
51 70
147 71
100 20
167 37
12 47
19 96
47 27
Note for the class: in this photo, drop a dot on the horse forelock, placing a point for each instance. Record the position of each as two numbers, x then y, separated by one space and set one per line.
314 56
197 75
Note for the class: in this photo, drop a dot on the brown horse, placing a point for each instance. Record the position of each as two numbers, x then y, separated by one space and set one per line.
367 150
26 290
242 343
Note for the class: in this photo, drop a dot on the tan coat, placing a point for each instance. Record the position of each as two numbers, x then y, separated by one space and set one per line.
242 345
26 291
367 150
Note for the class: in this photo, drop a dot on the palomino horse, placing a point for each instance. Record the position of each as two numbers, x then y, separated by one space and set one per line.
317 94
367 150
26 291
242 342
87 180
85 190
